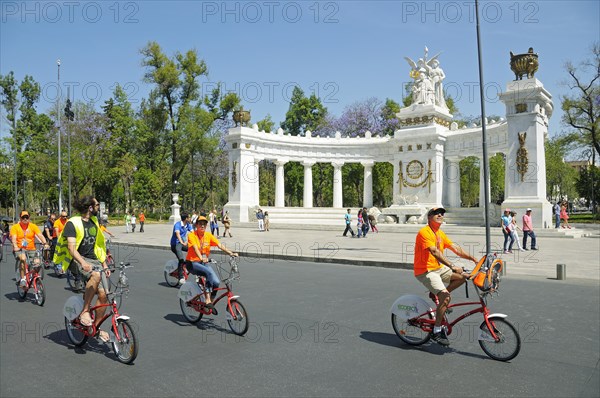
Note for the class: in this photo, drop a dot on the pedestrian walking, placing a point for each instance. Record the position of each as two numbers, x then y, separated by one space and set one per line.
564 216
267 223
127 222
557 214
142 219
365 226
348 220
506 231
528 231
133 220
514 232
373 222
227 224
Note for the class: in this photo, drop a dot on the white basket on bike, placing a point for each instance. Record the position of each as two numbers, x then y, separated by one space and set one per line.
73 307
189 290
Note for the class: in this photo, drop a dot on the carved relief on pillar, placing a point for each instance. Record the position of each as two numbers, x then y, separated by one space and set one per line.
415 170
234 174
522 156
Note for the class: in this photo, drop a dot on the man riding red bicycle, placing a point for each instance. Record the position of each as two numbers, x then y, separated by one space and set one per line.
434 270
23 236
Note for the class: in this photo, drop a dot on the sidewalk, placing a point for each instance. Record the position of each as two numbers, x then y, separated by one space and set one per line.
392 247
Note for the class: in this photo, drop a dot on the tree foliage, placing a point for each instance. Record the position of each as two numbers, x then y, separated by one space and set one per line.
582 108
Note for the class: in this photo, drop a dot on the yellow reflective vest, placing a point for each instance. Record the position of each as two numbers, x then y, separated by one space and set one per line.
61 253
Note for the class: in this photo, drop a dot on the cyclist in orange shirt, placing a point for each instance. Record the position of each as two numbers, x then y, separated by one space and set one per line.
23 235
434 270
199 244
59 224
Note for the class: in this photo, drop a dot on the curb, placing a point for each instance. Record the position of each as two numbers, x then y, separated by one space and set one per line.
363 263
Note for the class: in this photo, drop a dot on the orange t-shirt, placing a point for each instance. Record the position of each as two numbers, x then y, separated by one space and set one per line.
203 243
60 225
425 261
28 234
142 218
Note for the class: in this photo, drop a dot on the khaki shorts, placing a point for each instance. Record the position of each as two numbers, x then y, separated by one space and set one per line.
75 267
437 280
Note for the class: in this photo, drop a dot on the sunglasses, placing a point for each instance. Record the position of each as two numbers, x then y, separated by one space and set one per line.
25 218
438 212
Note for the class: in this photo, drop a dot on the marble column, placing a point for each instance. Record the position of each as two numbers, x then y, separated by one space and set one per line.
368 184
452 176
308 185
337 185
279 184
257 181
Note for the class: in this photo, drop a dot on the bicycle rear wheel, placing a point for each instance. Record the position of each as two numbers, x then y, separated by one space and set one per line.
125 343
189 312
76 335
509 343
40 293
409 333
170 279
237 318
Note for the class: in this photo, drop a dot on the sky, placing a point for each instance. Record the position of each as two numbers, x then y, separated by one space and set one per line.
343 51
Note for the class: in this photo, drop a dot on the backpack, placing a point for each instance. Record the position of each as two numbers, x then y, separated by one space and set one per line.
486 274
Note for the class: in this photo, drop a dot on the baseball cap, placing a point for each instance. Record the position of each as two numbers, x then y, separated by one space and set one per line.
200 219
529 209
24 213
507 210
436 210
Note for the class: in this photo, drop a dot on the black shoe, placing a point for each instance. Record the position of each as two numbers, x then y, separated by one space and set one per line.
534 248
441 338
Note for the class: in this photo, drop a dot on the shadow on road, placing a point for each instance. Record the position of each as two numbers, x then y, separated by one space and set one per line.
204 323
91 346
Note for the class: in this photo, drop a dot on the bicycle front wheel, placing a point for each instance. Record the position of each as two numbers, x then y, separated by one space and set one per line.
21 290
237 318
509 343
125 344
75 334
40 293
189 312
409 333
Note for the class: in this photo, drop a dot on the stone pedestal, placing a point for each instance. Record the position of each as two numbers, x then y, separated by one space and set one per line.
175 216
528 108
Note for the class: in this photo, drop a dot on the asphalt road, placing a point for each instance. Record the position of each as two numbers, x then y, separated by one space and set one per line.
316 330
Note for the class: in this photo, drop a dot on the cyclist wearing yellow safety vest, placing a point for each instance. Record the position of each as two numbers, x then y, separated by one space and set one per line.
81 247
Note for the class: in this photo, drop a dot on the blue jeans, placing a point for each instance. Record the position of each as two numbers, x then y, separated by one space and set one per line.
205 270
533 239
556 220
508 236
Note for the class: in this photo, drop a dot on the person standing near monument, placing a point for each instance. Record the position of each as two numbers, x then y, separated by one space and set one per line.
528 231
506 222
557 214
261 220
564 216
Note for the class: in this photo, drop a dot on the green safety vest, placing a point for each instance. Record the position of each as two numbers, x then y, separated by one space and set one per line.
61 253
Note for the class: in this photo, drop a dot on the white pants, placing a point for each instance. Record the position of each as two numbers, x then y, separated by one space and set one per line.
261 225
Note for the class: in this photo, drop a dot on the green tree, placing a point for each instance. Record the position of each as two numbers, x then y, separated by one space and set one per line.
304 113
497 172
560 177
582 109
188 117
469 181
588 185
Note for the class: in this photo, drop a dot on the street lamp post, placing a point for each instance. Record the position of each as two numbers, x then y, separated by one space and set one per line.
60 199
14 123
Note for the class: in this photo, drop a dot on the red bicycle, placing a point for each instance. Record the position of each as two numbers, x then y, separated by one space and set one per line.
33 266
122 336
192 301
413 319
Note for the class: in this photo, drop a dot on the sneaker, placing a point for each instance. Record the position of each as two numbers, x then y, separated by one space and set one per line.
522 250
441 338
23 282
506 252
181 281
534 248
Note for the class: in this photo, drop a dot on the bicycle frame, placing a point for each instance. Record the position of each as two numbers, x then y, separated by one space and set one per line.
427 324
114 313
